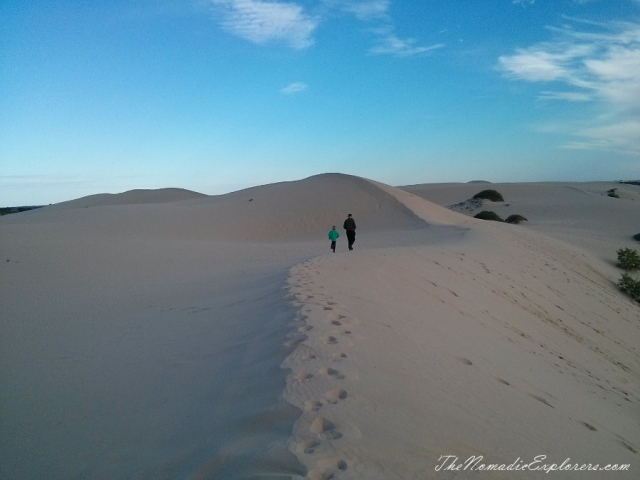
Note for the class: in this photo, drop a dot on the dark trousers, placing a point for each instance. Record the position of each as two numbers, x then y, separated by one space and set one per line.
333 245
351 236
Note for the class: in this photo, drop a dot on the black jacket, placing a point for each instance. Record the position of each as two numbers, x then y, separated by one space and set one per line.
349 224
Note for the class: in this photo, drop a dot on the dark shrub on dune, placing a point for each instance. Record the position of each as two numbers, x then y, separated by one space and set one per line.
628 259
487 215
637 237
629 285
516 219
491 195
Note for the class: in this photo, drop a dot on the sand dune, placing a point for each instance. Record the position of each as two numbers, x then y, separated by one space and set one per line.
143 334
288 211
581 214
504 344
132 197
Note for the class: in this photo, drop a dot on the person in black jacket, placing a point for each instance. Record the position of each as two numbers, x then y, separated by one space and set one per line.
350 226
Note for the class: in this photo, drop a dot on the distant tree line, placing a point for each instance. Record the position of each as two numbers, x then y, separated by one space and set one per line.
9 210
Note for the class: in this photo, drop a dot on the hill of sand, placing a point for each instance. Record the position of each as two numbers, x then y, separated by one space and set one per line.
582 214
166 334
132 197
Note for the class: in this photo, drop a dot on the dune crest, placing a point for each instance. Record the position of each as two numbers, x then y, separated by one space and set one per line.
132 197
287 211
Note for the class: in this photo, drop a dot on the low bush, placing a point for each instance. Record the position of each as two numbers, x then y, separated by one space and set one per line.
628 259
491 195
612 193
629 285
487 215
637 237
516 219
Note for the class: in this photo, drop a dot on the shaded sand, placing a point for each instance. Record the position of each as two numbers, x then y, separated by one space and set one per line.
167 334
142 333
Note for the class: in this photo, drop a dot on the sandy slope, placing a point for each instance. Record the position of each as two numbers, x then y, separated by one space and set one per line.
501 343
142 336
581 214
142 333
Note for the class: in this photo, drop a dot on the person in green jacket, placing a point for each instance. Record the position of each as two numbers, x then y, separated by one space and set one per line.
333 236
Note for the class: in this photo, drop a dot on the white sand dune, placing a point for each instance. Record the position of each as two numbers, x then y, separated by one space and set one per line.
581 214
143 335
503 344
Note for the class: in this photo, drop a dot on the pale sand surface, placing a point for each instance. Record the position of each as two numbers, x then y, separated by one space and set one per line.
581 214
501 343
166 334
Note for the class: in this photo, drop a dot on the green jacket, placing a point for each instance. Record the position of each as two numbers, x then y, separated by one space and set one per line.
333 235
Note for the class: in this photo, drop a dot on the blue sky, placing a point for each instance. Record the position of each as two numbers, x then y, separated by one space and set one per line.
218 95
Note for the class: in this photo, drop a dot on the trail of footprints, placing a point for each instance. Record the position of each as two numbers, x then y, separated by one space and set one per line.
327 337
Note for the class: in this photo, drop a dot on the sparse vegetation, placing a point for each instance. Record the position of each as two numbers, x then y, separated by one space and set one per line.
630 182
630 286
491 195
488 215
9 210
637 237
628 259
612 193
516 219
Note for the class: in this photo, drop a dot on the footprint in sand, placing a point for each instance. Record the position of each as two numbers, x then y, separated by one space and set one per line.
307 356
334 396
324 429
336 357
302 376
305 328
332 464
308 446
336 323
329 340
312 405
330 372
326 468
328 308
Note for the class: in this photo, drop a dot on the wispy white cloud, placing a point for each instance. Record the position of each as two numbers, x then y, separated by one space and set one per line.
390 44
367 9
362 9
533 65
376 12
568 96
524 3
263 21
599 63
620 137
295 87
